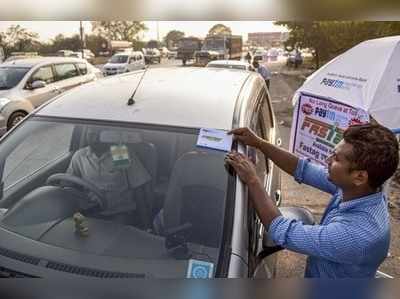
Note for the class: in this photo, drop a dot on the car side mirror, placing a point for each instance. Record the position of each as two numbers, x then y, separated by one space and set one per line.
38 84
297 213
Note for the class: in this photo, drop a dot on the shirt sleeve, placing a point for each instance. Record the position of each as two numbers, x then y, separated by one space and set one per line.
314 175
73 167
334 242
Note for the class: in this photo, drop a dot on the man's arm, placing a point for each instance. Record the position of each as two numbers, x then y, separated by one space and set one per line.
336 242
245 169
282 158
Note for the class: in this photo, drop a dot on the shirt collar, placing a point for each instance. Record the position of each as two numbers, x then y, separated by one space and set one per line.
361 201
94 156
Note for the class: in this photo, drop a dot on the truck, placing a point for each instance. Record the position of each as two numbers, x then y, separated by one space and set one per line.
187 46
219 47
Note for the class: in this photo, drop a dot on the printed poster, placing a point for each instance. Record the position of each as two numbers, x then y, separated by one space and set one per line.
318 126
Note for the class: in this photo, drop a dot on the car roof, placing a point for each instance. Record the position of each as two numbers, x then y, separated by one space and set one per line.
230 62
31 62
184 97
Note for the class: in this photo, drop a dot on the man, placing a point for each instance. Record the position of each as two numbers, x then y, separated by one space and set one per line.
353 237
263 71
248 57
95 164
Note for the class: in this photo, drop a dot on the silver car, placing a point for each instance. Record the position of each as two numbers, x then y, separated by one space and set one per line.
108 181
27 83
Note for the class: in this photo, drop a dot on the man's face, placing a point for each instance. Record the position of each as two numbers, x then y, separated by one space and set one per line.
339 168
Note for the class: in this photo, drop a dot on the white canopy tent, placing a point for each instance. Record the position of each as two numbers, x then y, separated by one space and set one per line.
366 76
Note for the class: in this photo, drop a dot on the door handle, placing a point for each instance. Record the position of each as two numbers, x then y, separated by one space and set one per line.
278 197
279 142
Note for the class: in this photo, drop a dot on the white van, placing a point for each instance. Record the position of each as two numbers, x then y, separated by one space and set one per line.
124 62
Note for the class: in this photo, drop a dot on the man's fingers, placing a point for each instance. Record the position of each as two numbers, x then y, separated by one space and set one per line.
237 131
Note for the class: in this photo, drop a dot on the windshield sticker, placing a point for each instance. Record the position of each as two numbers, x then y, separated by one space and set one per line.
215 139
120 156
200 269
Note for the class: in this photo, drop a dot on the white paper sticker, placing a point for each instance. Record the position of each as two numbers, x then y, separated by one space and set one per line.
215 139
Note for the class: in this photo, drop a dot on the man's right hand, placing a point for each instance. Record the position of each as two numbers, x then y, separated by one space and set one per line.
246 136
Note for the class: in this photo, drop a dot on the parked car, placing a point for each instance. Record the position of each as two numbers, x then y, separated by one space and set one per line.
64 53
209 229
27 83
152 55
88 55
231 64
124 62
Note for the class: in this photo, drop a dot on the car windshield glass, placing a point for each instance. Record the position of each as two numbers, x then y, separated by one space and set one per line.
11 76
145 194
119 59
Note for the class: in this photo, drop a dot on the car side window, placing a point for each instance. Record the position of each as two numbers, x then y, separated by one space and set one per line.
82 68
17 167
45 73
66 71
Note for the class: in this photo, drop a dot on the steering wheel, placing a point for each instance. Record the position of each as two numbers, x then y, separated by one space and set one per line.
57 178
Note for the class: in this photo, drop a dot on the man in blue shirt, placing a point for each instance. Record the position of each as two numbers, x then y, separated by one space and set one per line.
263 71
353 237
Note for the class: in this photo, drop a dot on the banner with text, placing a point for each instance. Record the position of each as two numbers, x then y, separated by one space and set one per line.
318 125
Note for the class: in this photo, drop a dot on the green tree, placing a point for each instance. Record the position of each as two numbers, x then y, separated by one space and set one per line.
118 30
328 39
219 29
96 43
172 37
17 38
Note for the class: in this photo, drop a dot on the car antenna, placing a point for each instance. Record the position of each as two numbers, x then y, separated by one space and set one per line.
131 101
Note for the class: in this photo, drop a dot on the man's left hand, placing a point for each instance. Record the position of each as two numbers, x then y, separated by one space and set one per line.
244 168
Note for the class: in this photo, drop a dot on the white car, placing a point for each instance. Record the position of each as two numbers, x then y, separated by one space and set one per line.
187 216
124 62
28 83
231 64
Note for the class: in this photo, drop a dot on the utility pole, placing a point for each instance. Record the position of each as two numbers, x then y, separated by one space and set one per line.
82 41
158 33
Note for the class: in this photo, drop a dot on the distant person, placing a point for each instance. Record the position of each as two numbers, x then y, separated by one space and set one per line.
248 57
263 71
353 237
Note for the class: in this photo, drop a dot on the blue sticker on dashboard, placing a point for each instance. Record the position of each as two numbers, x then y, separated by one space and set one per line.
200 269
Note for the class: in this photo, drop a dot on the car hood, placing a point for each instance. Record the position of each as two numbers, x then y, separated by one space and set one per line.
6 93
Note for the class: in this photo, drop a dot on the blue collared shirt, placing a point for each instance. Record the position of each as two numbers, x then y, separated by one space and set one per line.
352 239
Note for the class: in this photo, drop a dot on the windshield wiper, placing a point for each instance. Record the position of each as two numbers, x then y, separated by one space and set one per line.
4 87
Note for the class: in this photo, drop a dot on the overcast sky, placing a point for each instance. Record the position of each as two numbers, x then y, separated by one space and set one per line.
49 29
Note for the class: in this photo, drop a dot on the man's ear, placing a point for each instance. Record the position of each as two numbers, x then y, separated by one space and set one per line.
360 177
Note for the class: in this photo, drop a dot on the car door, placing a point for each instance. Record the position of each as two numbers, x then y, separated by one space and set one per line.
262 124
39 96
132 63
67 76
141 62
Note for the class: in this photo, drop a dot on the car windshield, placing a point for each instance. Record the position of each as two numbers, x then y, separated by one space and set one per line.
144 194
11 76
119 59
